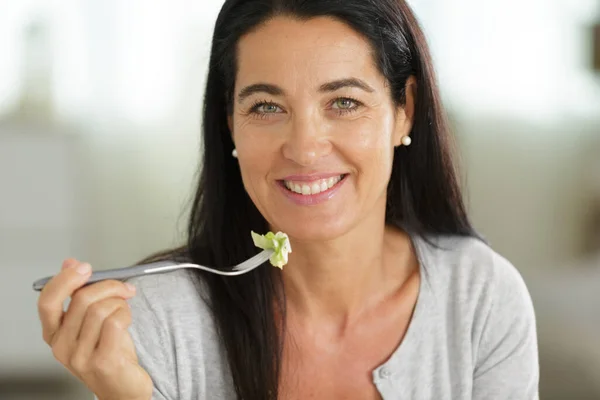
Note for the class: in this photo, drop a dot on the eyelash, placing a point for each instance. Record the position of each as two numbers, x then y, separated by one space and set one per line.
254 108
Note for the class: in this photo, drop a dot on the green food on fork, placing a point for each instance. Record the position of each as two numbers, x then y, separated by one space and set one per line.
278 242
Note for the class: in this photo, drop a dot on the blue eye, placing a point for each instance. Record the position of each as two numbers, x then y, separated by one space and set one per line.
344 103
265 107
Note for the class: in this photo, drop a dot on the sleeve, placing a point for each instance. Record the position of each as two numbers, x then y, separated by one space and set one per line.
507 364
152 340
153 343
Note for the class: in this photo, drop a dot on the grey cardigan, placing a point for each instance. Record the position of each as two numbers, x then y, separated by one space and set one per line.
472 335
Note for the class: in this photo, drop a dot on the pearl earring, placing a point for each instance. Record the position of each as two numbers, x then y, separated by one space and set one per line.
406 140
234 153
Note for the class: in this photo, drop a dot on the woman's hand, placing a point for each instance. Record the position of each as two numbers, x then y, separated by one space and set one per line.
91 339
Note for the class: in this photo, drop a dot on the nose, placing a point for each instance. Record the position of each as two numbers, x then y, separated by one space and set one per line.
307 141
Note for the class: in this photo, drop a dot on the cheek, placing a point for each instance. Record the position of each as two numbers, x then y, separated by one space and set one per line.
253 172
256 139
368 145
256 157
253 169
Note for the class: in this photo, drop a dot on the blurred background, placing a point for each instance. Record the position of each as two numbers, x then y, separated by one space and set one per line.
99 133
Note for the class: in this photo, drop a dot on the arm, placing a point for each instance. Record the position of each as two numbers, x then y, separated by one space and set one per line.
507 365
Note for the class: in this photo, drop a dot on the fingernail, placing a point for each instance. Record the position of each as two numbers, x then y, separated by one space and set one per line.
69 264
130 287
84 269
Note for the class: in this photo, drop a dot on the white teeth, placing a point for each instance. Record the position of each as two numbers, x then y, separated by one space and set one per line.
313 187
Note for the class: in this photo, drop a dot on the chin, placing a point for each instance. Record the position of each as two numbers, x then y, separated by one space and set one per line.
315 229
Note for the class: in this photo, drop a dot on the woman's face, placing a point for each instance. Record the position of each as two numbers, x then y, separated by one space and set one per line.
314 126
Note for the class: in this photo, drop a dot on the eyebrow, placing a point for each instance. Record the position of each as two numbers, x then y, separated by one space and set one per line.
343 83
275 90
259 88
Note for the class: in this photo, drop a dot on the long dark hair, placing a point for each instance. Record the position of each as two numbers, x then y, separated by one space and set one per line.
424 195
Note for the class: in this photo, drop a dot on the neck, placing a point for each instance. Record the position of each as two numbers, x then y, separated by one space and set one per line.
338 280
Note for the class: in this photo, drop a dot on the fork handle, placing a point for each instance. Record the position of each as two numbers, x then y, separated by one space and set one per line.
118 274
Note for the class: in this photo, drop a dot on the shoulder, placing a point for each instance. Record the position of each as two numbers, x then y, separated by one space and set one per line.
170 297
481 289
469 267
172 286
171 309
482 295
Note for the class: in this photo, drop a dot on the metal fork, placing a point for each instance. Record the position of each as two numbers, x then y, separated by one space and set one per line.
166 266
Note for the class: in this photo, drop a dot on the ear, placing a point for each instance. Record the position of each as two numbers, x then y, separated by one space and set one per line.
405 113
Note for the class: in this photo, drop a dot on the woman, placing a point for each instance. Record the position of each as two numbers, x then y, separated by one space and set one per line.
322 119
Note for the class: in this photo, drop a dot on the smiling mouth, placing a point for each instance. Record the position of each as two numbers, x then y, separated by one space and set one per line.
312 187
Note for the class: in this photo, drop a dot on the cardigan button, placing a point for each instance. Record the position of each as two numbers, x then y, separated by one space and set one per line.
385 373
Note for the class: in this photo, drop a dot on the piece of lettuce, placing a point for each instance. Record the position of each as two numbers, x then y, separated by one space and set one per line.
278 242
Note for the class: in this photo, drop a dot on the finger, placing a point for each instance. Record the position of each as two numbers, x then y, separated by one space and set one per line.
91 328
69 263
114 333
56 291
84 298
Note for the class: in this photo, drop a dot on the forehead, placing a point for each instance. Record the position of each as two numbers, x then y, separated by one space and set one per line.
298 54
